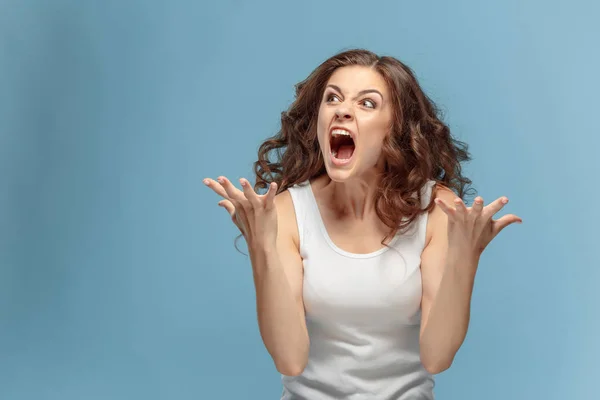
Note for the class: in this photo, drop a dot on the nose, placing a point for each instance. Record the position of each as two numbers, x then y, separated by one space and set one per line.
343 113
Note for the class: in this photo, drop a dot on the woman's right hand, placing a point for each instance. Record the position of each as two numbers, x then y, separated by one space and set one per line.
255 215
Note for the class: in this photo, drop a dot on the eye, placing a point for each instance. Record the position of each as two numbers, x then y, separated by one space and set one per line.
331 96
369 103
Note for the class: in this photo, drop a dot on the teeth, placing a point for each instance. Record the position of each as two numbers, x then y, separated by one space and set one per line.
338 132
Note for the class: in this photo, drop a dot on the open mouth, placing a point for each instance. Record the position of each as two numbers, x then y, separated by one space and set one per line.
342 144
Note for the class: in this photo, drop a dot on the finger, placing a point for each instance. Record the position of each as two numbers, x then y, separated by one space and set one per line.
270 196
216 187
477 205
249 193
491 209
459 205
448 210
234 194
503 222
227 205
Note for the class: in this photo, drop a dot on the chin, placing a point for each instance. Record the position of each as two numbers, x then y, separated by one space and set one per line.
340 173
339 176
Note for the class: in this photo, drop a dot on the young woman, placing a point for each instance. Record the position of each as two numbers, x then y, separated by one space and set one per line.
364 257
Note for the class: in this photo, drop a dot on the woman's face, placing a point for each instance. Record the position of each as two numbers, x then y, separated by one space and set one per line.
355 115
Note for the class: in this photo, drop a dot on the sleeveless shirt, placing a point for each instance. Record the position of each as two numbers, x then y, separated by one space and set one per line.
363 313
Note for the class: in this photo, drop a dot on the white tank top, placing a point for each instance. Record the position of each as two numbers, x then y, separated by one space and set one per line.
363 313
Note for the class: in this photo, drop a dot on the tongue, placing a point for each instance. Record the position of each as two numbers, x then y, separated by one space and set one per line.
345 151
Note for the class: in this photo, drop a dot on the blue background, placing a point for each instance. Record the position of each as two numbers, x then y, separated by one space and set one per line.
118 275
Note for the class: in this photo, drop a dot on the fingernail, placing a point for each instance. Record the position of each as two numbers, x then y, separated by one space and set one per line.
242 182
505 200
206 182
220 180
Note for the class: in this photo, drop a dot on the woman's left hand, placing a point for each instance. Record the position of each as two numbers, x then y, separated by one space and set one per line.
471 229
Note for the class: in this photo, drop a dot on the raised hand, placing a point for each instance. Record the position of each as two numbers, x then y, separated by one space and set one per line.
471 229
255 215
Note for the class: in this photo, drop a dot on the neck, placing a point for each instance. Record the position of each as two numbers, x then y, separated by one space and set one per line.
353 198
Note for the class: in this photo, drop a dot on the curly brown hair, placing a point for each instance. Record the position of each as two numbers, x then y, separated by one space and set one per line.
419 147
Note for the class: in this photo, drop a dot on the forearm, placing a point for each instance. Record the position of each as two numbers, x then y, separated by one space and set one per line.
448 320
281 323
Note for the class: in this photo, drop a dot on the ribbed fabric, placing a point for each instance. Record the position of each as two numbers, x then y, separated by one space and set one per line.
363 313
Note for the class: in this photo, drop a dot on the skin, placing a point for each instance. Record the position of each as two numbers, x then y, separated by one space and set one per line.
357 98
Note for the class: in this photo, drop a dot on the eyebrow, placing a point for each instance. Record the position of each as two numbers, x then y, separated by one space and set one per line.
362 92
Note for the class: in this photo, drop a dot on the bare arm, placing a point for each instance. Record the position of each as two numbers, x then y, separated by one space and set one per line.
278 282
446 302
268 224
449 264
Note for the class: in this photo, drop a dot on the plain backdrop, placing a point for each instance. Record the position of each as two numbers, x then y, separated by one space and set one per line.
118 273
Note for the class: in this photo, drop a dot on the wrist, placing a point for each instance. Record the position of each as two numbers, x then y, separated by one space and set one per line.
463 259
262 248
262 255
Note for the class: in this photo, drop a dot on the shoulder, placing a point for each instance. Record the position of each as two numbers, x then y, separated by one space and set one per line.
286 216
283 200
437 221
443 192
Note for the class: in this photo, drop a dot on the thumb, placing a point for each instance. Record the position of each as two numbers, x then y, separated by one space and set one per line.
227 205
505 221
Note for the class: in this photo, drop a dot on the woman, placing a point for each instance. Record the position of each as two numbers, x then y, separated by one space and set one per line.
363 256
